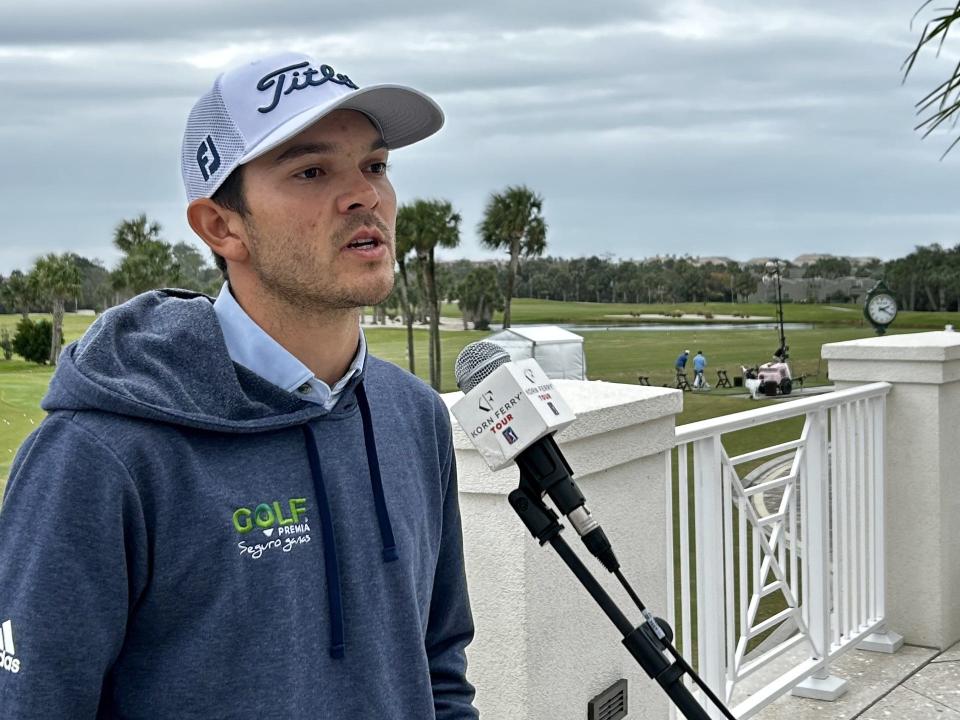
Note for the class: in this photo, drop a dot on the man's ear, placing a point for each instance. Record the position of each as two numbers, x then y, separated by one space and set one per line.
221 229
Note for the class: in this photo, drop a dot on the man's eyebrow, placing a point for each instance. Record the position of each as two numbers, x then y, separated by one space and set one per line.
320 148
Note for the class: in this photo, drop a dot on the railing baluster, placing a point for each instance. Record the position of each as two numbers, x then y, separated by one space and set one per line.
856 517
880 576
835 443
708 499
844 553
671 613
731 626
795 534
871 515
684 522
802 527
816 545
863 577
744 566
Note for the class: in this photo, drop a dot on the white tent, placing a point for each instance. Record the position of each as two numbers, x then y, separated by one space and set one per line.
559 352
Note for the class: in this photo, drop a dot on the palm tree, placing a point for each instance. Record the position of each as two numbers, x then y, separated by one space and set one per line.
405 234
148 261
479 296
430 224
131 234
56 278
512 221
943 102
18 293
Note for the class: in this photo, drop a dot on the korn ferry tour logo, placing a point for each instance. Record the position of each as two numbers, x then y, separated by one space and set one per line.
270 527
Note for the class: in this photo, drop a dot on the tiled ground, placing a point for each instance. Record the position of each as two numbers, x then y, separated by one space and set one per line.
932 692
912 684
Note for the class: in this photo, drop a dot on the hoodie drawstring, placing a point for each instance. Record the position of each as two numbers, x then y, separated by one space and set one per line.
330 561
373 462
330 557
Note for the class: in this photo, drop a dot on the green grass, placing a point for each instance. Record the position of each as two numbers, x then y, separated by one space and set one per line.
22 385
525 310
73 325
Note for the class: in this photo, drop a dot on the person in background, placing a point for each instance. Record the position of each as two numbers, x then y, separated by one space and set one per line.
681 363
699 364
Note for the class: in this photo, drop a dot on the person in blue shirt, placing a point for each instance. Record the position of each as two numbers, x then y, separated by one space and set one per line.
681 363
233 509
699 363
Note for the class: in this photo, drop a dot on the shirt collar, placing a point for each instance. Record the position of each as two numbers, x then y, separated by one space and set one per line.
249 345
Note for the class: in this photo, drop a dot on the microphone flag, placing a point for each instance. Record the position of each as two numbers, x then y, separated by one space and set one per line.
509 410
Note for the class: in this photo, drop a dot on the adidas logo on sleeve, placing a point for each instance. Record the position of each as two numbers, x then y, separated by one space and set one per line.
7 650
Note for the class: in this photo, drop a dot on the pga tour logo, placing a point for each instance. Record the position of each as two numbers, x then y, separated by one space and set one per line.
7 650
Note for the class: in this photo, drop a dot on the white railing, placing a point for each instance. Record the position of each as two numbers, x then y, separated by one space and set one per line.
780 569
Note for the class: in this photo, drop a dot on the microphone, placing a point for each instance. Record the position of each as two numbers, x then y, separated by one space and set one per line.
511 411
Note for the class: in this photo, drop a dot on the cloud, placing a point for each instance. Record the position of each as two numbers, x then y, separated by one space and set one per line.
687 126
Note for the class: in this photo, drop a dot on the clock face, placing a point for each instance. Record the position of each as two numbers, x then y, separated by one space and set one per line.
882 309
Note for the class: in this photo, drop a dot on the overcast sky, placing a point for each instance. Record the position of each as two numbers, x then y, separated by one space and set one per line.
699 127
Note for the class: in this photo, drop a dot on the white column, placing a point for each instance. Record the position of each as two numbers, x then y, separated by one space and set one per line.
922 484
543 647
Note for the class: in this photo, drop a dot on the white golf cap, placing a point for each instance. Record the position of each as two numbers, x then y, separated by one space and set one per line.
254 108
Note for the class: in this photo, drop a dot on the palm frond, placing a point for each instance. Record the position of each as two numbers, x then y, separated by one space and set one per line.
943 102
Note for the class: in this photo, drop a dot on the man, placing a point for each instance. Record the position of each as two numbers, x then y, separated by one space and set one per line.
232 509
699 364
681 363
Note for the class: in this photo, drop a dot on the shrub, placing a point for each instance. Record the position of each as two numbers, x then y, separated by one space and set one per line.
6 344
32 341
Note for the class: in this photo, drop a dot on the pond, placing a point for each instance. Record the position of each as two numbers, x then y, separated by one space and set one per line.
670 327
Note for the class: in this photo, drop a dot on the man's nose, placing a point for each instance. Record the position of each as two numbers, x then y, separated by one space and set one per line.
358 195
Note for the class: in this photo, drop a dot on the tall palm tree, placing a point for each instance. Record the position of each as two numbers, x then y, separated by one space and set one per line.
405 235
18 293
56 278
943 102
512 221
431 224
479 296
148 261
131 234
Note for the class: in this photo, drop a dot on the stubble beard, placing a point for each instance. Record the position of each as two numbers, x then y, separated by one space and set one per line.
286 269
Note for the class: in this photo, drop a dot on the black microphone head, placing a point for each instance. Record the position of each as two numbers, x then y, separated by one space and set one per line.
476 362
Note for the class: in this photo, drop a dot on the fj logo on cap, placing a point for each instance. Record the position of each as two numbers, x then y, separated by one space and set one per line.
208 158
299 80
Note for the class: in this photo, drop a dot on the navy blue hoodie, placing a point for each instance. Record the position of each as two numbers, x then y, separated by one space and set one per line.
181 539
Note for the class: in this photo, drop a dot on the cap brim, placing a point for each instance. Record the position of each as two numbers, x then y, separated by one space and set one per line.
403 116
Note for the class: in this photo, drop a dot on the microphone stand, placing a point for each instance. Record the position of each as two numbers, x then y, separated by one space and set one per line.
647 642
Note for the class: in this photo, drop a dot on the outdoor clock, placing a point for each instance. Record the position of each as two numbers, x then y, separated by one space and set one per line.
880 307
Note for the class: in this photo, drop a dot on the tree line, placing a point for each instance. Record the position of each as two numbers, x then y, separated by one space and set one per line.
512 222
512 225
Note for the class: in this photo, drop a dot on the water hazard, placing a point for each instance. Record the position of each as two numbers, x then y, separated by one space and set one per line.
671 327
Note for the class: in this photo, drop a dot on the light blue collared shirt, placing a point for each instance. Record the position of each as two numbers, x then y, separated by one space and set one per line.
250 346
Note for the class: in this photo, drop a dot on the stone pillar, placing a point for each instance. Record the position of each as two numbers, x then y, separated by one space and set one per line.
922 461
543 647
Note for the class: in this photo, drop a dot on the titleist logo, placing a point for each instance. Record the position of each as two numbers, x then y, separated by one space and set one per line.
298 81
